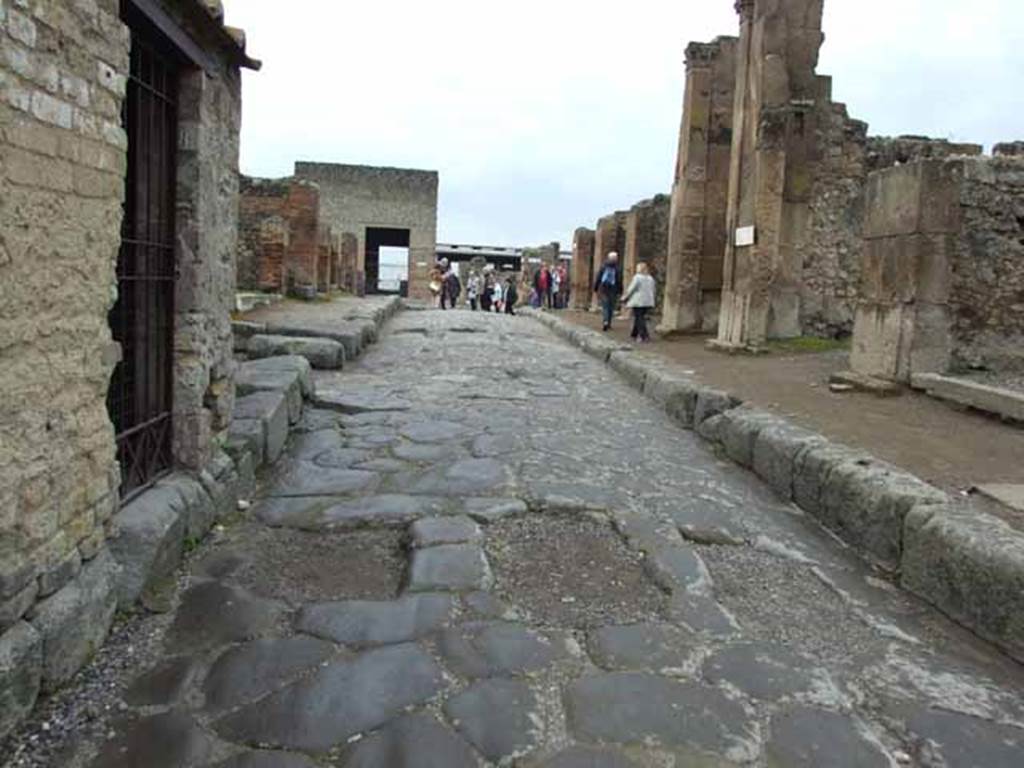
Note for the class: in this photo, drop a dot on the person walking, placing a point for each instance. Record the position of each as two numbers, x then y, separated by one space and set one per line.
473 290
608 287
496 294
511 296
485 292
556 289
562 297
639 297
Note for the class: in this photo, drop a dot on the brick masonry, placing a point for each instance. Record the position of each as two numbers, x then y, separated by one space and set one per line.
63 156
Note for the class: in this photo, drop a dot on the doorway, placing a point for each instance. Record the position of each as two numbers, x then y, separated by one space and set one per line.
387 259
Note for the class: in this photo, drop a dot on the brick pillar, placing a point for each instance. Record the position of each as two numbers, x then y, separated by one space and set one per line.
697 236
609 236
772 169
582 267
303 212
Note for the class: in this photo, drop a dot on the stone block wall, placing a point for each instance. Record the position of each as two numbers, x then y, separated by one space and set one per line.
62 164
609 236
943 269
349 258
582 267
646 236
696 241
63 158
354 197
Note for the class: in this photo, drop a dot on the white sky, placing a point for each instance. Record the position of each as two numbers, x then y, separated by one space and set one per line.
543 116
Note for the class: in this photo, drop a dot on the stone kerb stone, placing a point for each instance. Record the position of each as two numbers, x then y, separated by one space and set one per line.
261 421
632 367
674 391
324 354
971 566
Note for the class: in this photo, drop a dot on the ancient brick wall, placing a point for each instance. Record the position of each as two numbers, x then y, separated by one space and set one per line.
942 274
302 209
62 164
262 234
582 267
353 198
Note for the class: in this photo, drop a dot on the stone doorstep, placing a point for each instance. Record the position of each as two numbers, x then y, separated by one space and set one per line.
1004 403
951 561
864 383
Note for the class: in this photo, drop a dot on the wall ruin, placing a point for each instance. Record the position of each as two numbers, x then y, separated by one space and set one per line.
646 240
582 268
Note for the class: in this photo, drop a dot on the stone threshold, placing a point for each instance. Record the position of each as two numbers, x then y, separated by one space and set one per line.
964 561
1004 403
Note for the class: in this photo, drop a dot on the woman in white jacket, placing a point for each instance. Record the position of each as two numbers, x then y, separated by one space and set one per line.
640 298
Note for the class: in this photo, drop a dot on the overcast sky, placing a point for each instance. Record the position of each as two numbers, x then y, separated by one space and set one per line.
542 116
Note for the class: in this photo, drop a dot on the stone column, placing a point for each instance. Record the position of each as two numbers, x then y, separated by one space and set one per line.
772 170
696 245
303 211
609 236
582 267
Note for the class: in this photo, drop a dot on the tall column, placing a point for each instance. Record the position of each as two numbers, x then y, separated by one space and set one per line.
773 167
696 246
582 267
609 236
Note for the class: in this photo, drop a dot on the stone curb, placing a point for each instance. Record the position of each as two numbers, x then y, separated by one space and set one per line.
965 562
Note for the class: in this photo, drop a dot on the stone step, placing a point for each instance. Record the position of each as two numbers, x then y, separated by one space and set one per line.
323 354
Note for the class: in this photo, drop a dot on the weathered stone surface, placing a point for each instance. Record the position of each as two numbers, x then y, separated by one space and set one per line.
199 510
74 622
21 670
283 382
287 363
776 449
488 510
270 410
164 684
359 402
342 699
636 708
811 469
679 568
13 608
953 739
971 566
324 354
632 367
492 649
304 478
149 541
492 446
585 757
674 392
495 716
213 614
343 458
267 759
645 647
434 431
383 510
711 402
362 624
431 531
353 338
739 430
246 672
457 567
808 738
309 445
762 670
169 740
415 741
702 614
468 476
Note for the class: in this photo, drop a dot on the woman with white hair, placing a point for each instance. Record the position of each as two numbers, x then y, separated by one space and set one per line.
640 298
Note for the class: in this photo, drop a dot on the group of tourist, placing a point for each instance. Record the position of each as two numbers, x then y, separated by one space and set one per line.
486 291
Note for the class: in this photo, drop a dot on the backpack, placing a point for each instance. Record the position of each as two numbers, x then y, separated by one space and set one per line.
608 277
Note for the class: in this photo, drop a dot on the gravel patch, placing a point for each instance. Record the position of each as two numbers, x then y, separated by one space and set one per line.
570 571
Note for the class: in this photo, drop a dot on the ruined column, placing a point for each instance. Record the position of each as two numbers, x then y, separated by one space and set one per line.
609 236
772 169
697 233
303 212
646 240
582 267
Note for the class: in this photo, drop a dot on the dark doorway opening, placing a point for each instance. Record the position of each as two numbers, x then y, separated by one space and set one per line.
385 276
142 320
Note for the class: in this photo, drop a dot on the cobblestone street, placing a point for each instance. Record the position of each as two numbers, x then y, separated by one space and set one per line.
482 548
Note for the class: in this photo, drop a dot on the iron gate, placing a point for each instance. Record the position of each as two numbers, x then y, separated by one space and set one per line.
142 320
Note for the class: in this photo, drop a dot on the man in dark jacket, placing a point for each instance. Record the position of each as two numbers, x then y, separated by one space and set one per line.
608 287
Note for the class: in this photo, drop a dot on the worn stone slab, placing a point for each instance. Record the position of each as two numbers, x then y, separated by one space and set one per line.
677 568
676 393
213 614
865 502
492 446
414 741
641 647
267 759
21 672
466 476
1008 495
738 432
246 672
494 648
488 510
304 478
765 671
342 699
322 354
437 431
285 382
163 685
1005 403
633 367
971 566
496 717
809 738
352 336
199 511
431 531
290 363
268 410
811 469
702 614
363 624
956 739
168 740
776 449
73 623
585 757
385 510
149 541
456 567
640 708
711 402
353 402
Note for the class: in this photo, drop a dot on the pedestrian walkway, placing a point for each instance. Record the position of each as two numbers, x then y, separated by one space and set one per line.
483 549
